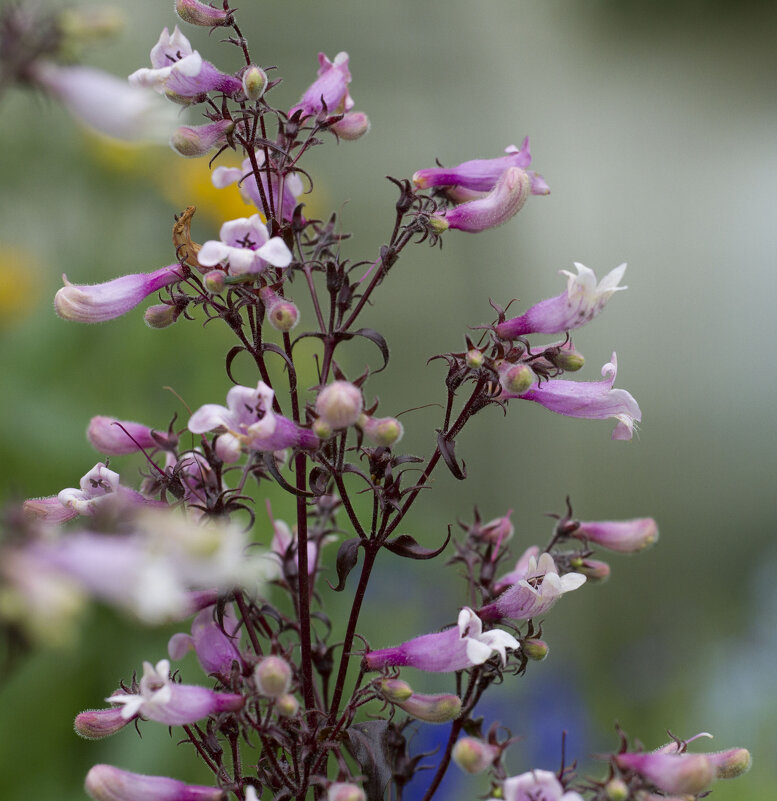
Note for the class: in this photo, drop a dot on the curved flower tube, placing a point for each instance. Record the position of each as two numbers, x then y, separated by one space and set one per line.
624 536
170 703
249 417
457 648
96 303
106 783
329 90
581 302
588 400
117 437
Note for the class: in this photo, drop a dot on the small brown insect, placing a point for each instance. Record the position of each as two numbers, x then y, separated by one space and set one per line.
185 248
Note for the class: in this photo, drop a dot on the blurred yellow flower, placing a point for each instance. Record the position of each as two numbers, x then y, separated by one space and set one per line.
19 284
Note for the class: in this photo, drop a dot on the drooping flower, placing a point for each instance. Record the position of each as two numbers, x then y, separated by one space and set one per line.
197 13
581 302
193 141
481 175
106 103
672 773
106 783
329 90
249 417
214 641
94 724
456 648
589 400
533 595
96 303
536 785
284 195
245 247
173 704
495 208
624 536
179 72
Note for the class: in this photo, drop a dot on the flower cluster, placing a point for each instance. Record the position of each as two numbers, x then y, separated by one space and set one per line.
292 703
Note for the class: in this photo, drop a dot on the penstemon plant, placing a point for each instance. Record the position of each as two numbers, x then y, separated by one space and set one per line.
283 710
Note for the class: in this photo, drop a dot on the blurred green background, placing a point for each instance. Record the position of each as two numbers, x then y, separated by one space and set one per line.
655 126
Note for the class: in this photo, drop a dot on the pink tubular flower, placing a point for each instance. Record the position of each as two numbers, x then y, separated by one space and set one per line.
95 303
170 703
94 724
198 140
536 785
672 773
533 595
116 437
285 193
504 201
197 13
245 247
352 126
216 644
106 103
589 400
624 536
249 417
106 783
180 73
481 175
581 302
457 648
329 90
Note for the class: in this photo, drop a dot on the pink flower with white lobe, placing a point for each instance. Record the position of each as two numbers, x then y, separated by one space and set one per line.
536 785
535 594
173 704
329 90
588 400
249 417
582 301
96 303
457 648
245 247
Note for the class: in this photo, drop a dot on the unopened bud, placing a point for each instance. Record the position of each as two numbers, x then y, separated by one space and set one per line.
322 429
254 82
496 531
395 690
339 404
286 705
196 13
282 314
516 378
432 708
272 676
161 315
535 649
473 755
228 448
592 569
214 281
94 724
616 790
570 361
732 763
385 431
344 791
438 224
474 358
192 141
352 126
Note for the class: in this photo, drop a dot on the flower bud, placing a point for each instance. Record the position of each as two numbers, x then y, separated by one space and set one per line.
352 126
272 676
196 13
339 404
192 141
286 705
228 448
474 359
254 82
624 536
672 773
616 790
322 429
592 569
473 755
94 724
535 649
385 431
344 791
282 314
116 437
516 378
570 361
214 281
160 315
106 783
432 708
732 763
395 690
496 531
